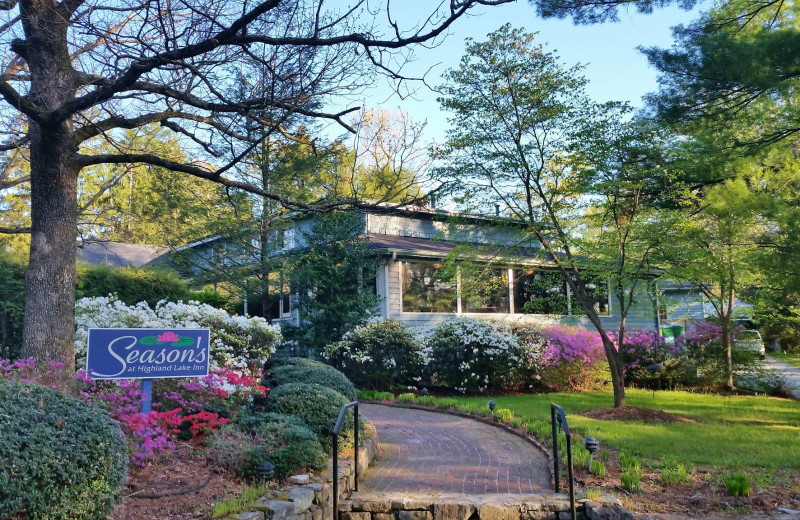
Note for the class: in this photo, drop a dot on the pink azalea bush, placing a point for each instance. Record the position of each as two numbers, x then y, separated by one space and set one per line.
181 408
574 359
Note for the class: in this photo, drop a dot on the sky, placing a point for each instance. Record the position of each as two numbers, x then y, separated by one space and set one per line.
615 68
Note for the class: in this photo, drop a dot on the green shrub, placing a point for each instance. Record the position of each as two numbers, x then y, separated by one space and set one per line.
519 422
406 398
629 462
319 374
737 484
598 469
580 458
673 475
283 361
131 284
426 400
12 306
381 355
60 458
317 405
631 479
372 395
284 440
446 404
503 415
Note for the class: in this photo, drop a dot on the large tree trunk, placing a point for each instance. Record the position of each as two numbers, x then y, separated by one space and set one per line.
49 323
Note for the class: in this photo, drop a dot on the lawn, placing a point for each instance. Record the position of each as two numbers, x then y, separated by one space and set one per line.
792 359
724 432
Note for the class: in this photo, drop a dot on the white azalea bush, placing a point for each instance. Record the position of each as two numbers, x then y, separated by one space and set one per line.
381 356
236 341
472 356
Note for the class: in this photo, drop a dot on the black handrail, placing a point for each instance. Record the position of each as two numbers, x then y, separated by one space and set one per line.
336 429
562 421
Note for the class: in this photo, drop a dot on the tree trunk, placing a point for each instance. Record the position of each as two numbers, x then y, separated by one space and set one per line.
49 323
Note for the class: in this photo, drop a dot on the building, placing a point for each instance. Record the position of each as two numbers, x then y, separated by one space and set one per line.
504 275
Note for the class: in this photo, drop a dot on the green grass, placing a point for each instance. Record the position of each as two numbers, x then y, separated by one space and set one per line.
727 431
791 359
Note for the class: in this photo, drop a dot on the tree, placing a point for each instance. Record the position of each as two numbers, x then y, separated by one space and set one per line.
80 71
735 68
333 280
524 135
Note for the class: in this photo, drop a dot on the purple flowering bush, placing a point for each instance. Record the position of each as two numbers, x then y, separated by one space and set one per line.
705 352
574 360
642 349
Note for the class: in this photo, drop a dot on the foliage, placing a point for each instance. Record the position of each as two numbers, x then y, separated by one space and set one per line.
642 349
598 469
573 359
380 355
238 503
737 484
319 374
61 458
518 127
631 479
131 285
182 408
235 340
533 345
334 280
704 347
502 415
406 398
316 405
372 395
282 439
470 355
12 307
675 474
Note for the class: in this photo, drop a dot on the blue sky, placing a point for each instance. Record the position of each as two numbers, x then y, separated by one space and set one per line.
615 68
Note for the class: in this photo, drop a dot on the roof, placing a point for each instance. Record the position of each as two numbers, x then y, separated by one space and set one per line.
119 254
425 247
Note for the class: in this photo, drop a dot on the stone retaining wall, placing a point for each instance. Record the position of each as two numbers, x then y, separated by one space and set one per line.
550 506
305 499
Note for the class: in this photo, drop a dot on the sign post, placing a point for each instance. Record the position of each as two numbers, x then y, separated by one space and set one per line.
147 354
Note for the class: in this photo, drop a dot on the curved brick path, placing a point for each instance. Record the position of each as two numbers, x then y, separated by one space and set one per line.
432 453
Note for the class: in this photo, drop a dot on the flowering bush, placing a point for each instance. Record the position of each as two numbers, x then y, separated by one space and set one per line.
533 345
379 355
236 341
574 359
642 349
472 355
182 408
702 345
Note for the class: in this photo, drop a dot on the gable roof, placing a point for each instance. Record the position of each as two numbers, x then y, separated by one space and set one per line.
119 254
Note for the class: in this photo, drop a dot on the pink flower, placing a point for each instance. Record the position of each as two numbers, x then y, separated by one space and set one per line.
167 337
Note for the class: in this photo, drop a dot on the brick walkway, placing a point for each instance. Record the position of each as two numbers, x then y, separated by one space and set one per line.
429 453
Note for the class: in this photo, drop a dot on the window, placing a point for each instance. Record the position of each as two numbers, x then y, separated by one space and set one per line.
425 289
596 288
540 292
485 291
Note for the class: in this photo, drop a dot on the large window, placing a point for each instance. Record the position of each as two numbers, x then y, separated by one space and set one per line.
485 291
425 289
540 292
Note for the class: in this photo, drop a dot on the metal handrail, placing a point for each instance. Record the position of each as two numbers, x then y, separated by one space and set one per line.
562 421
336 428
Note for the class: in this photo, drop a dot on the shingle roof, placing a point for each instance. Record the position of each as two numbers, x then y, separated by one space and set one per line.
119 254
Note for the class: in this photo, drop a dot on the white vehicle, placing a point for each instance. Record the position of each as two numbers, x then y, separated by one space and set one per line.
750 341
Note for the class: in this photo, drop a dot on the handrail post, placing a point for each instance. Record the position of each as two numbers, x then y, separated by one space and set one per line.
336 429
562 420
355 439
556 475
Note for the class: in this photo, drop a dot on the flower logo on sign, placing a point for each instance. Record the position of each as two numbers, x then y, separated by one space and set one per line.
167 337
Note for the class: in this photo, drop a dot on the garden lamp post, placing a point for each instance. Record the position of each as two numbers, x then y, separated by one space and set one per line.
266 471
591 444
492 406
654 369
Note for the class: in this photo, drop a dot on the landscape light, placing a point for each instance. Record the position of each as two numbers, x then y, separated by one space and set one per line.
492 405
266 470
424 391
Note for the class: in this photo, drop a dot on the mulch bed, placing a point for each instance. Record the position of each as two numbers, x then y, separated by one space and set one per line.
181 484
634 413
